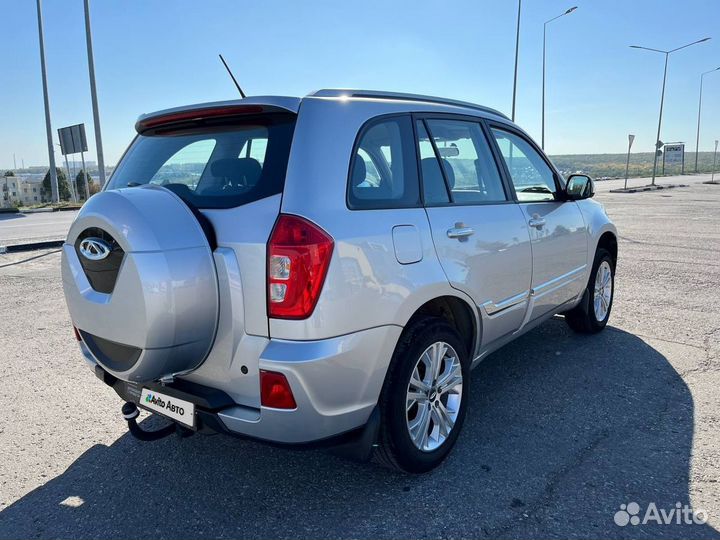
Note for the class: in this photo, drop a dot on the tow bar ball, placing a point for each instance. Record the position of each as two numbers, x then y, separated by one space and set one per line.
130 413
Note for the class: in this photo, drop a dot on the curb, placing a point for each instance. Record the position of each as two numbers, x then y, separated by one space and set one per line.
48 209
36 210
31 247
647 188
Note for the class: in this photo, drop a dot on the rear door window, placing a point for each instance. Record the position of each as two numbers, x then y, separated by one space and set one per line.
230 163
434 188
471 173
383 168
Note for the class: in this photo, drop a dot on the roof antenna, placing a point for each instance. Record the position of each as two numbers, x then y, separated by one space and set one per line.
242 94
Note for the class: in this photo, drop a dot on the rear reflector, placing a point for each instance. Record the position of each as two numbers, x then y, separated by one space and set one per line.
275 391
196 114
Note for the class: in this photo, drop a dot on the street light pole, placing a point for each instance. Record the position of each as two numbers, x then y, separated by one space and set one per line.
662 94
657 139
567 12
48 125
517 49
93 95
697 141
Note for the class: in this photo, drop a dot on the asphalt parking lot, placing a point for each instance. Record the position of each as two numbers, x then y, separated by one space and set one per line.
561 430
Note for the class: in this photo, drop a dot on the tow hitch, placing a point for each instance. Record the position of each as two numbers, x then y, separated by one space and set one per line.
130 412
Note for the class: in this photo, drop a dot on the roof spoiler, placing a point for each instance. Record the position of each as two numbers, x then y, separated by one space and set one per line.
220 109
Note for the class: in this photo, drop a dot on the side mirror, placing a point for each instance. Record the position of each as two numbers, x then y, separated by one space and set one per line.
579 186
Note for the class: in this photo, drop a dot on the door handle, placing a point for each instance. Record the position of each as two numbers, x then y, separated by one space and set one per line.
460 231
537 222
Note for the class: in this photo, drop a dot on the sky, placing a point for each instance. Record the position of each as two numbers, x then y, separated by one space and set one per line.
152 55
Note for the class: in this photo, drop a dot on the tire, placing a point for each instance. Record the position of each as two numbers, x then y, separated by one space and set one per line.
434 411
585 317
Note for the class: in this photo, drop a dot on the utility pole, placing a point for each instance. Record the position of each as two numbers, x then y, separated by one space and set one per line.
697 140
658 143
93 94
48 126
517 49
567 12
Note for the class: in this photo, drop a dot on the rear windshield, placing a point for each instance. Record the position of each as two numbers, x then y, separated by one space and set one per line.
221 165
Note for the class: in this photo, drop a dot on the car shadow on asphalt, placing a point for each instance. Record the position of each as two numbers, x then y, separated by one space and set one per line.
562 430
7 216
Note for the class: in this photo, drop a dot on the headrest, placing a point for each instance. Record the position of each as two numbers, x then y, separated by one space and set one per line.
431 170
238 170
433 183
359 171
449 172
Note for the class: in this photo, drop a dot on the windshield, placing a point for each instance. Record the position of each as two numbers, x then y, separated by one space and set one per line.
212 166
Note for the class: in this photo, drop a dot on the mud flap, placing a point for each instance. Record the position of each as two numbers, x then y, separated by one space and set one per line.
360 447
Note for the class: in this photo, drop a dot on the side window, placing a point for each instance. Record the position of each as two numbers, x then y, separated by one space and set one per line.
186 165
383 170
470 169
533 179
434 189
256 145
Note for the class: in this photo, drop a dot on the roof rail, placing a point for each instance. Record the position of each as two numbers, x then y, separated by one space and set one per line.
377 94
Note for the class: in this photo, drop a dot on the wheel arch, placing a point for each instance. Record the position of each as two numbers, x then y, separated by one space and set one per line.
458 312
608 241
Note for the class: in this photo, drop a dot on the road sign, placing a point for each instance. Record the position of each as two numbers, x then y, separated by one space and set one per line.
72 139
631 138
674 153
659 144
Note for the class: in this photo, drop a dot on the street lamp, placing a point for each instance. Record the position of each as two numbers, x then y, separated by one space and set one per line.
662 94
93 96
517 47
697 141
567 12
46 98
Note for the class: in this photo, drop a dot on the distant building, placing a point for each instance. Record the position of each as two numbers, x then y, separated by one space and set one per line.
25 190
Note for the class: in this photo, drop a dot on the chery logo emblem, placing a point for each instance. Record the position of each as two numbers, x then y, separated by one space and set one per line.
95 249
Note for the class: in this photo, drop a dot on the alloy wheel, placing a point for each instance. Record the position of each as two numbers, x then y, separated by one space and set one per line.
434 395
602 296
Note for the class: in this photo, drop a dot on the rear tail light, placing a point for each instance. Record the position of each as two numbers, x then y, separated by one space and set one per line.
298 258
275 391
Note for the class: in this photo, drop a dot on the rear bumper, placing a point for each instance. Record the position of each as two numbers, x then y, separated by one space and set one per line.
336 384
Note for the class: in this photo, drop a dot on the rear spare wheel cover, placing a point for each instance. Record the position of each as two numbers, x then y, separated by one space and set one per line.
140 283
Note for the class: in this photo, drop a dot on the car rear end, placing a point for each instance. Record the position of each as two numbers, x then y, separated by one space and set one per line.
175 271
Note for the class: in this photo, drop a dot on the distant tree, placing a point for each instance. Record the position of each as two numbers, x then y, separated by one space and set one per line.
80 184
9 173
63 185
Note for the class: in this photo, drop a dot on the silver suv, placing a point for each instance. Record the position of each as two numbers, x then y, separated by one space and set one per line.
327 270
